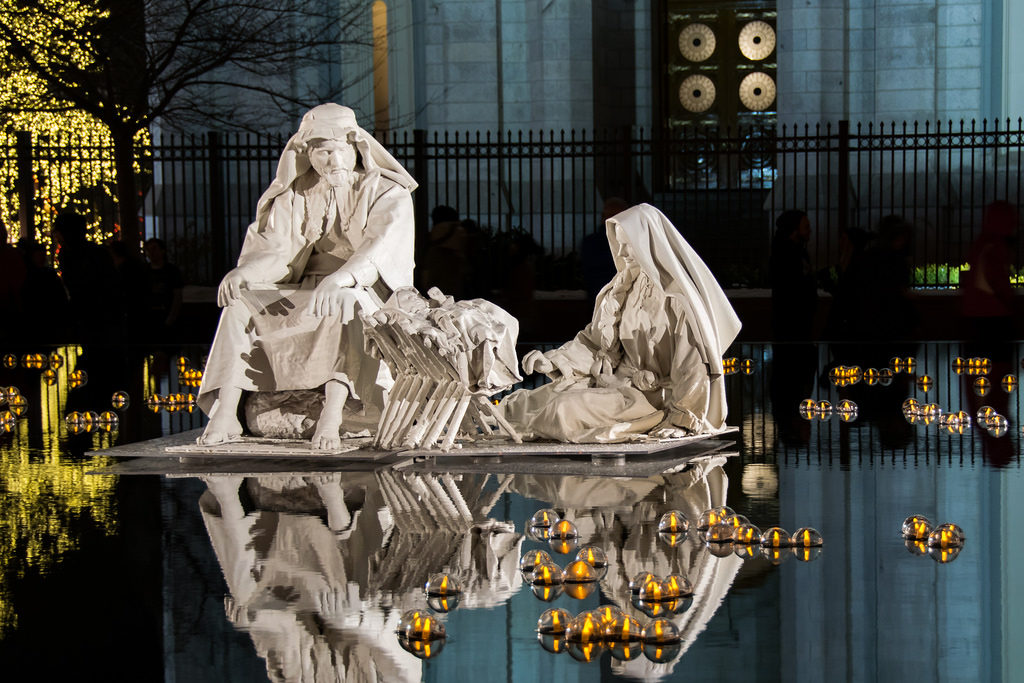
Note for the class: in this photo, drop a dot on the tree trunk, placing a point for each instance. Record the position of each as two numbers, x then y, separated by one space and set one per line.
127 193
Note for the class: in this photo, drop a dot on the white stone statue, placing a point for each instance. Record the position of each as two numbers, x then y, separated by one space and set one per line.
333 236
650 361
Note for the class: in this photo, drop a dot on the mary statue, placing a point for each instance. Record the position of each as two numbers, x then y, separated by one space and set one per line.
650 361
333 236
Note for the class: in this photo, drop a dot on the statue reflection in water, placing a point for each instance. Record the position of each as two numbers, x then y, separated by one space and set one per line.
319 574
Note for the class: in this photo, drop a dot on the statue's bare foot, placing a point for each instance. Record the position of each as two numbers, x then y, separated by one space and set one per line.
221 430
326 437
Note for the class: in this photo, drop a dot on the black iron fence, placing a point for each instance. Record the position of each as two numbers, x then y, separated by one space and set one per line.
723 188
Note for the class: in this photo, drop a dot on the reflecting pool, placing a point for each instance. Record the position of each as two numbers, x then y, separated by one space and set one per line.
316 570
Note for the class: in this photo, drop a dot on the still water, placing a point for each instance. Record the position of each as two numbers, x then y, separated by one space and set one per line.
202 575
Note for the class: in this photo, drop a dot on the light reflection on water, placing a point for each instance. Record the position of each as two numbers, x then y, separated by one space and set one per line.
249 596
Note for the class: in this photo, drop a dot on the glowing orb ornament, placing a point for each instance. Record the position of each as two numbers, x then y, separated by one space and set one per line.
884 377
49 376
606 614
924 383
108 421
847 410
564 529
595 557
747 366
823 410
676 586
806 537
674 522
982 385
33 361
775 537
555 621
896 364
579 571
547 574
959 365
911 406
651 591
10 361
946 536
443 585
718 533
713 516
997 425
639 580
56 361
120 400
421 625
78 379
563 546
545 518
807 407
660 640
729 365
916 527
8 422
930 413
154 402
585 628
625 629
746 534
871 377
1009 383
17 405
10 392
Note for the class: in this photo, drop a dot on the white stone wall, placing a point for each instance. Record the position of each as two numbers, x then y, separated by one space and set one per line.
880 60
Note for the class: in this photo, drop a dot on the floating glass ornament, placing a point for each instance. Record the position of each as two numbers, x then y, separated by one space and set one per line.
713 516
916 527
911 406
984 413
946 536
729 365
807 407
579 571
651 591
853 374
823 410
56 361
624 629
660 632
183 363
108 421
909 365
584 628
676 586
424 626
673 521
735 520
774 537
606 614
806 537
547 574
924 383
17 405
91 419
929 413
718 533
834 375
442 585
10 361
896 364
10 392
50 377
639 580
563 529
871 377
997 425
747 366
78 379
8 422
555 620
1009 383
542 519
154 402
595 557
846 410
885 377
982 386
120 400
746 534
984 366
33 361
959 365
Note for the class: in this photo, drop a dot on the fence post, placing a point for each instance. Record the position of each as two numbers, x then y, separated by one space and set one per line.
26 186
844 175
421 203
218 226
